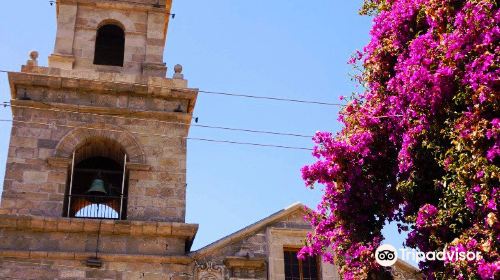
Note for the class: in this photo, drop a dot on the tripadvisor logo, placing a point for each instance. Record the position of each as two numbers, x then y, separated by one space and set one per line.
387 255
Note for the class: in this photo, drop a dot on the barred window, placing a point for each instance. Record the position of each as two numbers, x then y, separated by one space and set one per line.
97 184
296 269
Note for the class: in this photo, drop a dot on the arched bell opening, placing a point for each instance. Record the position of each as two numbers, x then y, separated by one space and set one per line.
97 187
110 45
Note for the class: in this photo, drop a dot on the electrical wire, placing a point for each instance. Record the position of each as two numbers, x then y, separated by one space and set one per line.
128 117
272 98
160 135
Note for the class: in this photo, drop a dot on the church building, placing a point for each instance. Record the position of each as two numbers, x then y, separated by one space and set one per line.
95 183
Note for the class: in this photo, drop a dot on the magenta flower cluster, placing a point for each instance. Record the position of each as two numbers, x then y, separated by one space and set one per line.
420 146
426 215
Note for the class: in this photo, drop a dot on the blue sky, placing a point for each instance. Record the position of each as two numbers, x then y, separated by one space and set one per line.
292 49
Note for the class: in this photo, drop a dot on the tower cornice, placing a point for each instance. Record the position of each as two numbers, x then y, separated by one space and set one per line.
111 84
144 5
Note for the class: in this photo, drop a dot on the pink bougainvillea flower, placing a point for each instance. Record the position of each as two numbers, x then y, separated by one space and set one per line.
420 146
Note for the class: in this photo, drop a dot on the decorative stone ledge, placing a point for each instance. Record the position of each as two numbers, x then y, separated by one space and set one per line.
55 255
242 262
159 115
109 83
74 225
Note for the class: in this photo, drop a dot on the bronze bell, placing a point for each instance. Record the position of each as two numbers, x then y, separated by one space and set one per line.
97 188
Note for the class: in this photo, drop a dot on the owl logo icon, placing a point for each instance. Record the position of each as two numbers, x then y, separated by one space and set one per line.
386 255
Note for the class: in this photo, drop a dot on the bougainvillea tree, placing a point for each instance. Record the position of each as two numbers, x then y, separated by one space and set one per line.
420 145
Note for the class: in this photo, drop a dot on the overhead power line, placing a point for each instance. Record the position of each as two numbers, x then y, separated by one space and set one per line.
54 123
129 117
271 98
261 97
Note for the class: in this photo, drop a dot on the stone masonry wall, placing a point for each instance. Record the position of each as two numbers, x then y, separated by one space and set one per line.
47 269
58 248
36 234
33 185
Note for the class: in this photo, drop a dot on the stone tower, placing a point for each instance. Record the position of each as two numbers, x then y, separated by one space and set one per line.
95 183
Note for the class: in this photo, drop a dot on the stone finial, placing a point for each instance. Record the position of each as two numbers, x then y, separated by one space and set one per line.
34 55
33 61
178 72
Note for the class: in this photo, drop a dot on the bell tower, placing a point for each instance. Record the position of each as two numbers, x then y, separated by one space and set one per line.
115 36
96 170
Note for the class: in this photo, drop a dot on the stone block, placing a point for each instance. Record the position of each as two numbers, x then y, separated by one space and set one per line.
47 143
35 177
24 222
107 225
38 254
50 224
25 153
37 224
8 221
44 153
149 228
72 274
101 274
63 224
24 142
140 27
56 197
57 176
90 226
164 229
122 228
61 255
77 225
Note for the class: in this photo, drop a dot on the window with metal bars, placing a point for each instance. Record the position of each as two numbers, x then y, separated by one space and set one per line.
295 269
97 184
97 190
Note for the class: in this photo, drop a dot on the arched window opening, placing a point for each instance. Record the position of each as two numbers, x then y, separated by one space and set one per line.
109 45
97 187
